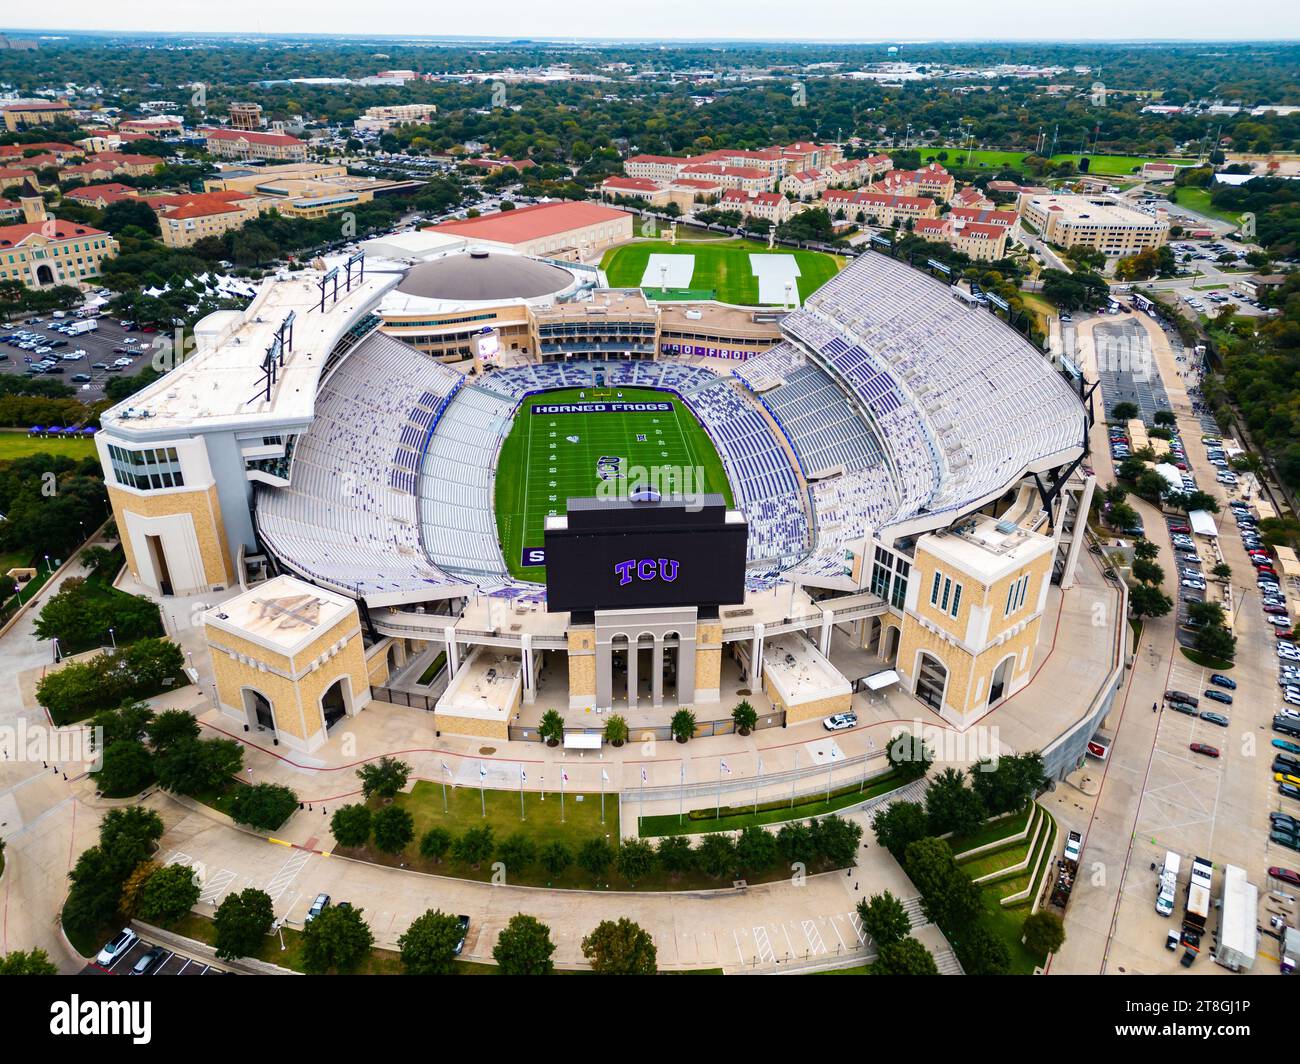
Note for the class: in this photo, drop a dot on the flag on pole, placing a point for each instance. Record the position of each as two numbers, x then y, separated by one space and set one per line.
643 775
564 775
760 766
481 770
604 776
445 767
523 776
725 767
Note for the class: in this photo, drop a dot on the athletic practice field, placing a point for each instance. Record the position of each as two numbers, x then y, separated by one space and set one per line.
716 269
991 159
549 457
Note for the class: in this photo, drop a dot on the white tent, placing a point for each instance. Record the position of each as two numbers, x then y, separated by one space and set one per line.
1202 523
877 680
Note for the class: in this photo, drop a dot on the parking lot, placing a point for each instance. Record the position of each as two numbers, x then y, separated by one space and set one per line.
166 962
98 345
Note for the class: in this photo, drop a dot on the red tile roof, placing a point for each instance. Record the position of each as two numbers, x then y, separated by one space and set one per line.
531 223
249 135
632 184
1006 219
110 190
51 228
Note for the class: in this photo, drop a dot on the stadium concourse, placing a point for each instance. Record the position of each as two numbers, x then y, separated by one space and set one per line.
906 467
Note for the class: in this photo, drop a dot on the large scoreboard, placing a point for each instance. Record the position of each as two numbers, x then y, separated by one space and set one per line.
645 552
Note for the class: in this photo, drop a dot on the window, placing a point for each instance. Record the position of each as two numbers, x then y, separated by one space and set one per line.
146 470
934 591
1016 595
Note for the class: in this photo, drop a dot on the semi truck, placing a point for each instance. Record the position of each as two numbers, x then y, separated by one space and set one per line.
1167 885
1238 922
1197 909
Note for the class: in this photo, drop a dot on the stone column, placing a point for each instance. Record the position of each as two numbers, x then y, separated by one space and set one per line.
657 677
530 686
453 652
633 652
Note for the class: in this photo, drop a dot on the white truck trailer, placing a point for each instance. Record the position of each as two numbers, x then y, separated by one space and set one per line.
1238 922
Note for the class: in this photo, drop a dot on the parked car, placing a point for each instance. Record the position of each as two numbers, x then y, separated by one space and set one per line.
1204 748
149 962
117 947
1286 875
464 933
1223 681
840 721
321 903
1218 696
1214 718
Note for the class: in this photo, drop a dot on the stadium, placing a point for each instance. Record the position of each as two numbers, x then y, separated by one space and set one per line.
594 501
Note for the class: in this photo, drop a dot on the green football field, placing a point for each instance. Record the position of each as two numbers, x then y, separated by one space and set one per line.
549 458
722 268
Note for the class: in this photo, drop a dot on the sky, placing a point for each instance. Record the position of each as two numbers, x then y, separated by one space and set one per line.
864 20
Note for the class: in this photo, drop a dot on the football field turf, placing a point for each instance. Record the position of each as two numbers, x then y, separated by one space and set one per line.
722 268
550 457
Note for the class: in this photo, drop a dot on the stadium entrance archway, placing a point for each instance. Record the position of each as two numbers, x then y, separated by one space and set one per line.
334 702
258 708
931 681
645 654
998 689
889 643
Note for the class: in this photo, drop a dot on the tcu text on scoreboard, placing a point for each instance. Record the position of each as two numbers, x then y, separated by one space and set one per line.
736 353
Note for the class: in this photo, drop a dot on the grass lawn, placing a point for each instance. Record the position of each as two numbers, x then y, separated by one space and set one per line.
722 267
15 443
1205 661
202 929
541 465
990 832
653 826
435 666
1198 200
1039 307
991 159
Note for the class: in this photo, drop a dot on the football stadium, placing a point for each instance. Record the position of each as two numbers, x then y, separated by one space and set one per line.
486 485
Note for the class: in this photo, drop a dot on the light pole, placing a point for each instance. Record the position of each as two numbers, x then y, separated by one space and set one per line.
48 567
113 638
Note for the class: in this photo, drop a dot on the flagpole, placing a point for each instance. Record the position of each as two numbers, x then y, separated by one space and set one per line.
521 793
563 774
445 773
717 812
830 767
757 778
602 796
795 778
681 790
482 794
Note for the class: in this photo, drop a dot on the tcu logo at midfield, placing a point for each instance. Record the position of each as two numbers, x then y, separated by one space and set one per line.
646 569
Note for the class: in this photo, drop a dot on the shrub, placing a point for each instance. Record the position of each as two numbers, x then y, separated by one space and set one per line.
595 856
675 855
517 852
551 727
615 730
556 858
474 847
744 717
683 725
635 859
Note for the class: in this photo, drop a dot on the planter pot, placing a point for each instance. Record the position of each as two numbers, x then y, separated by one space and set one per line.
616 743
679 738
552 742
742 731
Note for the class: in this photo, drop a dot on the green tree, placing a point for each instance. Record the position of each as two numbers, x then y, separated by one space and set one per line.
795 844
951 806
620 947
908 756
517 852
193 766
906 957
337 940
128 836
429 944
981 952
755 849
898 825
634 859
169 894
263 806
393 828
556 858
37 962
595 856
716 855
948 897
1147 601
383 778
127 769
884 919
170 727
435 844
615 730
1123 411
675 855
524 947
1044 932
474 847
1215 641
350 826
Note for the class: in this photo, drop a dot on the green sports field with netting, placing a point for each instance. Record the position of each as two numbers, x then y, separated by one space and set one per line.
550 457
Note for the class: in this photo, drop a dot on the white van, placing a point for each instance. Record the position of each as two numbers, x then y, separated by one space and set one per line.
1168 885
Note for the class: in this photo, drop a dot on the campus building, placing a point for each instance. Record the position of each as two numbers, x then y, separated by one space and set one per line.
254 144
22 114
565 230
42 252
877 208
1101 222
186 219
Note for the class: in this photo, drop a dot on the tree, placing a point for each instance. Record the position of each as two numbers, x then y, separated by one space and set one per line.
795 844
634 859
264 806
1215 641
884 919
682 725
524 947
1148 572
716 855
130 896
744 717
1010 783
517 852
1146 550
675 855
37 962
620 947
129 836
835 840
898 825
755 849
981 952
951 806
338 940
435 843
909 756
1147 601
948 897
551 728
1044 932
1166 418
595 856
474 847
615 730
350 826
905 957
169 894
383 778
429 944
192 766
394 828
1123 411
170 727
1223 571
556 858
127 769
